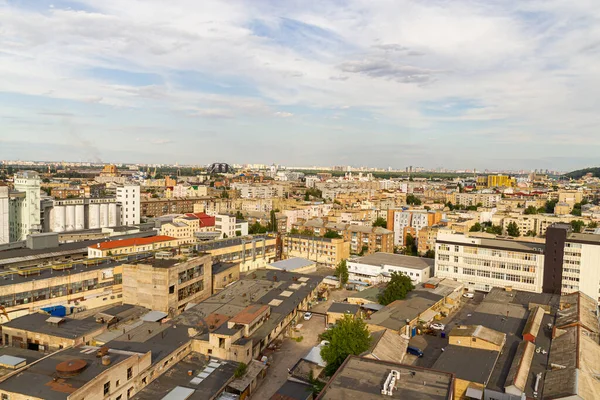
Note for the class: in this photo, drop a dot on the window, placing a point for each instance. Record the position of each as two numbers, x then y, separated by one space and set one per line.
129 373
144 380
106 388
171 289
117 383
5 396
119 397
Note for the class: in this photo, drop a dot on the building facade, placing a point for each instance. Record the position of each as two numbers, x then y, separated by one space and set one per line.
168 285
482 264
325 251
24 212
129 198
4 213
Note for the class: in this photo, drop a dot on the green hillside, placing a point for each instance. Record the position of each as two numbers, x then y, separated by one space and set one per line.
581 172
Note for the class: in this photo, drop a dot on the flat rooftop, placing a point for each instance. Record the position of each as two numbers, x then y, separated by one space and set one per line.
362 379
215 375
39 380
397 260
68 329
292 264
467 363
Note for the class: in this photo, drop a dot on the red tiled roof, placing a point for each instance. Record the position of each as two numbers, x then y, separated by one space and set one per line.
205 219
115 244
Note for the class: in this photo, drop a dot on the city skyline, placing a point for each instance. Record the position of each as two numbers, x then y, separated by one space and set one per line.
433 84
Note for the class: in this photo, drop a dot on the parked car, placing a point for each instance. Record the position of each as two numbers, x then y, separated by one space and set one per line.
468 295
437 326
307 316
415 351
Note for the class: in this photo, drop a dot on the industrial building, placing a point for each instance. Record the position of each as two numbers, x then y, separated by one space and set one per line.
82 213
378 267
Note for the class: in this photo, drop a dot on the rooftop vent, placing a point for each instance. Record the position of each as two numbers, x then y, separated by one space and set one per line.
70 368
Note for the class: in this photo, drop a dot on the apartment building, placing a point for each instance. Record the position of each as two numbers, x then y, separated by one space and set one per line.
159 207
482 264
488 200
369 239
403 222
496 181
426 239
262 190
4 213
229 226
129 198
306 212
24 206
186 227
186 190
537 223
325 251
167 285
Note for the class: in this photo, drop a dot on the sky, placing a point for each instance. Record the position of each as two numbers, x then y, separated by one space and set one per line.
498 84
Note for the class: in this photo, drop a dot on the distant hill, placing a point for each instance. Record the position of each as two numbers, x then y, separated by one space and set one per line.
581 172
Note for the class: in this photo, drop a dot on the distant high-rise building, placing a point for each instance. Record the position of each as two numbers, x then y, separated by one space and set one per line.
4 212
129 197
24 208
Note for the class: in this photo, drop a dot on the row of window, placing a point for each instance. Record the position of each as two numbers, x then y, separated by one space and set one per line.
489 274
20 298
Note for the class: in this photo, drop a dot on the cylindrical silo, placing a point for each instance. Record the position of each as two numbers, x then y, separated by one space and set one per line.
79 217
113 216
103 215
70 218
59 218
94 216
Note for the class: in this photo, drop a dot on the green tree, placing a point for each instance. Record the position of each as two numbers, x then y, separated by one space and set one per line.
295 231
224 194
413 200
593 225
332 235
397 288
380 222
476 227
577 225
494 229
513 229
273 223
341 272
471 208
430 253
238 233
450 206
576 210
240 370
411 246
306 196
550 206
349 336
531 233
530 210
256 228
239 216
307 232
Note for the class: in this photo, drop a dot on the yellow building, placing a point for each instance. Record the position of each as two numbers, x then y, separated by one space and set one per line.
501 181
477 336
321 250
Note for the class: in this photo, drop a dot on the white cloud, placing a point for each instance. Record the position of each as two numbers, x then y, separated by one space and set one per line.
531 66
283 114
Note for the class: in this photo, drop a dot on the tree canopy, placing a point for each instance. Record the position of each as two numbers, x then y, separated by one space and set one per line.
341 272
476 227
413 200
530 210
349 336
380 222
411 245
577 225
513 229
332 235
396 289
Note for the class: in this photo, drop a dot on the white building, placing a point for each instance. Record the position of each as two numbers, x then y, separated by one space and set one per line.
482 264
416 219
24 209
378 267
129 198
4 213
311 181
228 226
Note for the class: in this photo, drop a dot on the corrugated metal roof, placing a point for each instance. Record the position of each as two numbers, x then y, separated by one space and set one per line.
154 316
